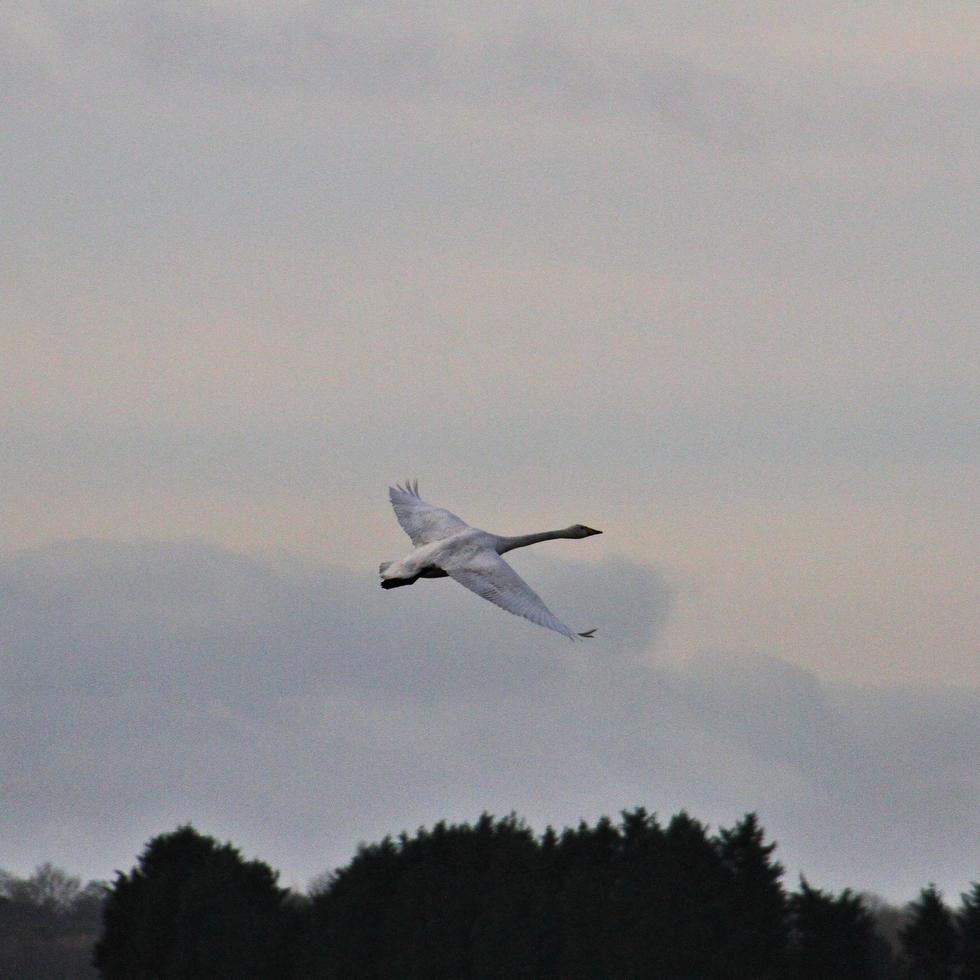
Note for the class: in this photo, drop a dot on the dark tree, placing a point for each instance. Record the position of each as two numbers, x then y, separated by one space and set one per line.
889 920
488 900
968 921
756 927
454 901
692 905
833 938
510 933
929 938
357 908
193 908
48 925
587 860
634 892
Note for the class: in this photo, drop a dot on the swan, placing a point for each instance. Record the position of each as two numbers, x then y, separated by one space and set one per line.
445 545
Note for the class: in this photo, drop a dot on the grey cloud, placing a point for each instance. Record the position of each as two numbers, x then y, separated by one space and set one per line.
775 709
149 682
299 709
891 739
890 771
517 62
170 618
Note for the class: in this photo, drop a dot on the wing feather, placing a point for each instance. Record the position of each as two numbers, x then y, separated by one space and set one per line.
490 577
422 522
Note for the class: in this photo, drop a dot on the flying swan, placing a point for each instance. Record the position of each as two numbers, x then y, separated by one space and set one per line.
448 546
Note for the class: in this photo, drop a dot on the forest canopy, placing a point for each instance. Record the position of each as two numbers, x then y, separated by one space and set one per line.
633 898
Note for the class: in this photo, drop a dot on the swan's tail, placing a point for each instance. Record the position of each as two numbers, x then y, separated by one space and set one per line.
392 581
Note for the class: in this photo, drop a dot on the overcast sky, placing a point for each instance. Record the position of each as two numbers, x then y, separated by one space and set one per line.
703 276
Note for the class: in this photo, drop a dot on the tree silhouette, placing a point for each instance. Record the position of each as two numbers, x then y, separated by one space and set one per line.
833 938
48 925
193 908
968 921
929 938
633 893
691 910
888 920
755 910
487 900
455 901
587 862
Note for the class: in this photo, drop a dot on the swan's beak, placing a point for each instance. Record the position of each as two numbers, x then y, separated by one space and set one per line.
591 530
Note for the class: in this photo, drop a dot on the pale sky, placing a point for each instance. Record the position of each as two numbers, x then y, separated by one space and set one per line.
702 276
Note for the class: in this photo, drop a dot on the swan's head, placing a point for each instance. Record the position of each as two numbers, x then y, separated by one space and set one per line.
581 531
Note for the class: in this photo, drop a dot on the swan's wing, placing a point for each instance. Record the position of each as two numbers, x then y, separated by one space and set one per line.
422 522
489 576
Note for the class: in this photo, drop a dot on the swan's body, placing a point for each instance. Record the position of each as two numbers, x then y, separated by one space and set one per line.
445 545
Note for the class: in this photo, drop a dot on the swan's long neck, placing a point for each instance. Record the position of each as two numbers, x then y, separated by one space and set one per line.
523 540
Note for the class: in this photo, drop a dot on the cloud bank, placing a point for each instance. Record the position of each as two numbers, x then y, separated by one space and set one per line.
297 709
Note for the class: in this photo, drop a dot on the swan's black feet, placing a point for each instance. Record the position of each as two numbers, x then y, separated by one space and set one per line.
394 583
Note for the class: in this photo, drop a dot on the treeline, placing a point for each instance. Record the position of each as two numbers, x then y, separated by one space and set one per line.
634 899
49 924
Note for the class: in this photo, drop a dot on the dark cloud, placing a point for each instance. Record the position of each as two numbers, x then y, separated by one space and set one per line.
299 709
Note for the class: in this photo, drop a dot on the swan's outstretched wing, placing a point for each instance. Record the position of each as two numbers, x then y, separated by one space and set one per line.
422 522
489 576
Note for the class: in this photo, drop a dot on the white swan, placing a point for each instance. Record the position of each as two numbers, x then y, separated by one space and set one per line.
446 545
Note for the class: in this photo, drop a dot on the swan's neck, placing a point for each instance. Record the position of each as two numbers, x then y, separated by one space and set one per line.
523 540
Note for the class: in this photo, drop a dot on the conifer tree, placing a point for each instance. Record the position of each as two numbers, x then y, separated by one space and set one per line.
930 939
756 925
193 909
968 922
453 901
588 858
833 938
639 892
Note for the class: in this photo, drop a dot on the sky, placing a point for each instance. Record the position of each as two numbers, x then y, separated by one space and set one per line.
702 276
